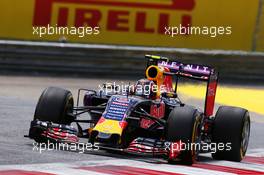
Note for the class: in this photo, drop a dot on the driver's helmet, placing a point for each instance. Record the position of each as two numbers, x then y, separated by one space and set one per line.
145 88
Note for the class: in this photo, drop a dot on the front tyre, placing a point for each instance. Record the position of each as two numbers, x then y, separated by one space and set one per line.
231 126
183 125
54 105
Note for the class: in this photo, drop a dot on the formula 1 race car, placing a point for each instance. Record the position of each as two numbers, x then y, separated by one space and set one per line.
147 117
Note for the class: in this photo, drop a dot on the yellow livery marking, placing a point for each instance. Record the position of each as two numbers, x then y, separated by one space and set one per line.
249 98
109 127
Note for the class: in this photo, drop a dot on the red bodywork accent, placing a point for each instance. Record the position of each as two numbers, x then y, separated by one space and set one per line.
101 120
175 149
123 124
139 148
156 110
210 98
168 81
62 136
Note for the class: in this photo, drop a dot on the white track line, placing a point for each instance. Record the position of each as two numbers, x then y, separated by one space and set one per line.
74 167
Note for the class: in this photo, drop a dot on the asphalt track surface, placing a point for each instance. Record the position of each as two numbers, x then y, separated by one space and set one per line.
18 98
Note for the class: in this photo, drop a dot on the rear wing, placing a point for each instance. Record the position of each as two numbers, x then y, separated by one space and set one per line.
190 71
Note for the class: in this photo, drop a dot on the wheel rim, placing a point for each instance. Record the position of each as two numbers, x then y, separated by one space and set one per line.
196 138
245 136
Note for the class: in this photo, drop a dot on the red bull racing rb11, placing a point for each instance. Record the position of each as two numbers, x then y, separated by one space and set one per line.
147 118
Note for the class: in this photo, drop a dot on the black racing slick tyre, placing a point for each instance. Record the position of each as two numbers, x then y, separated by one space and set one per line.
54 105
184 124
232 128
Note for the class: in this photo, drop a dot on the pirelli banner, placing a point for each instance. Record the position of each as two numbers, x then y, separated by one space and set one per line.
198 24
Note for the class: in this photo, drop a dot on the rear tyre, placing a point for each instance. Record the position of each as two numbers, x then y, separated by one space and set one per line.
232 127
54 105
184 124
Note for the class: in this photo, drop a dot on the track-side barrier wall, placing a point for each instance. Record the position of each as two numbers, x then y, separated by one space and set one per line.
119 61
